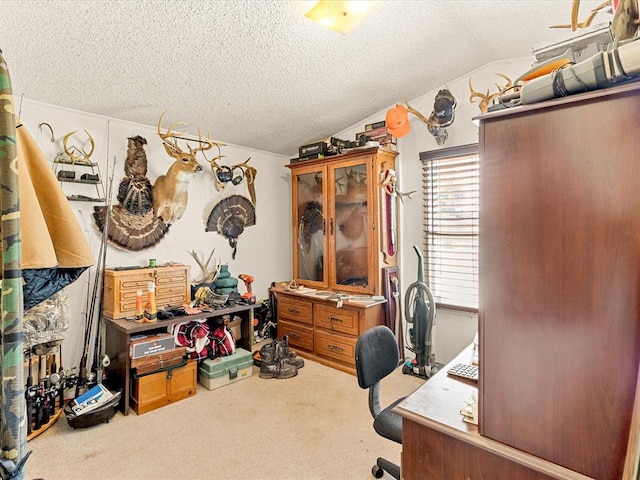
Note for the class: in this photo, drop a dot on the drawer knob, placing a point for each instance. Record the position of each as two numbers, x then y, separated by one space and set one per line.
335 348
294 335
293 310
335 319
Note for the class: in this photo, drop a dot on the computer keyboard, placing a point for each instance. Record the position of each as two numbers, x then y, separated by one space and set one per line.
464 370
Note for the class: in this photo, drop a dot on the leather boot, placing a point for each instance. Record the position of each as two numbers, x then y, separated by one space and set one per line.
273 366
281 349
292 357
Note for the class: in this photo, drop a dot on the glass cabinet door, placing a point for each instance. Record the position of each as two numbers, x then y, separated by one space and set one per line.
351 227
309 193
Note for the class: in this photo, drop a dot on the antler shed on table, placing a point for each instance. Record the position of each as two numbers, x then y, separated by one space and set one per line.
210 272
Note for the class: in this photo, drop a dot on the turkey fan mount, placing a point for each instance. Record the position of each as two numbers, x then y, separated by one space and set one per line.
230 216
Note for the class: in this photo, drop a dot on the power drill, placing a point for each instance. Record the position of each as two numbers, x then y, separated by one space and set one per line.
249 297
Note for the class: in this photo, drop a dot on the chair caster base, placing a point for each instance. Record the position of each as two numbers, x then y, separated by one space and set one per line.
377 472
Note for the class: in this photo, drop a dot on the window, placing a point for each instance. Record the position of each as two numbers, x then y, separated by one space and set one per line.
451 188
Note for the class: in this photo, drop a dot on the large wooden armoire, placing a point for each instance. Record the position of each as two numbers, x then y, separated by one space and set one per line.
344 235
559 310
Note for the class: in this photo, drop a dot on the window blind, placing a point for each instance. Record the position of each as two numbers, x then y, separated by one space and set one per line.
451 194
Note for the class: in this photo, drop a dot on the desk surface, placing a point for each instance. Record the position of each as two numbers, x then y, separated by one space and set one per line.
129 326
435 406
438 401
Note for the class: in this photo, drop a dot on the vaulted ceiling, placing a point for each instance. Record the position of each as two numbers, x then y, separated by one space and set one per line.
258 73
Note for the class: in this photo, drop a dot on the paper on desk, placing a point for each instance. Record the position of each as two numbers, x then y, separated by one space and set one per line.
470 410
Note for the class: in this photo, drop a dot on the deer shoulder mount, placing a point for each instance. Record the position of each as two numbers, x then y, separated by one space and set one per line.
170 191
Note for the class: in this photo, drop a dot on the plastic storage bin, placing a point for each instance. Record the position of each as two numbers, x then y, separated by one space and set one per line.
223 371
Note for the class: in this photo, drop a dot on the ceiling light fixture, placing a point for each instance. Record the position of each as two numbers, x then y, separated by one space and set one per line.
340 16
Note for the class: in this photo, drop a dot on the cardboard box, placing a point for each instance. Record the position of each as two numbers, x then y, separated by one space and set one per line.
151 344
235 326
223 371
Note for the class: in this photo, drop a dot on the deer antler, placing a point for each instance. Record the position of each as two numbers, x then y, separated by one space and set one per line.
401 195
485 99
170 140
210 274
214 169
410 109
575 7
206 144
170 146
250 174
76 158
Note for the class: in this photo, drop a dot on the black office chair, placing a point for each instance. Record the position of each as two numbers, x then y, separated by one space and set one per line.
377 357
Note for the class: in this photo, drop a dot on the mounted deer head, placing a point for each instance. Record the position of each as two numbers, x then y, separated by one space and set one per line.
170 191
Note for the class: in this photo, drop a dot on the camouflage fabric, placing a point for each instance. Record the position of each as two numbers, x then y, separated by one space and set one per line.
13 415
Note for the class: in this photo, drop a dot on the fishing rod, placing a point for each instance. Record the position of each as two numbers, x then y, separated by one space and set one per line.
100 359
83 372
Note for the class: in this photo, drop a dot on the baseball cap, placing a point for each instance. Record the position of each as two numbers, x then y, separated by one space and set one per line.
397 121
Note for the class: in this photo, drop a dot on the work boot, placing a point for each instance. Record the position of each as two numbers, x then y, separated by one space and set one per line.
272 366
280 348
290 355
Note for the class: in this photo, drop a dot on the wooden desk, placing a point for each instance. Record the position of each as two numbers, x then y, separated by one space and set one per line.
437 443
118 338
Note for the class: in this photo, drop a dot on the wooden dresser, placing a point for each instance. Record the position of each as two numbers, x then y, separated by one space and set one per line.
120 287
318 329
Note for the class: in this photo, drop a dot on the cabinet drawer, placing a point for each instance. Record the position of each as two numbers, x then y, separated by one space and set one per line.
299 336
336 319
156 390
170 290
138 282
335 346
295 310
172 300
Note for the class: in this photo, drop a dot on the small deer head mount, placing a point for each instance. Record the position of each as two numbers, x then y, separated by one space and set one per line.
170 191
442 116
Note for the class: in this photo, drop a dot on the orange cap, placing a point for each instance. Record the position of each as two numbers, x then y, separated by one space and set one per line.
398 121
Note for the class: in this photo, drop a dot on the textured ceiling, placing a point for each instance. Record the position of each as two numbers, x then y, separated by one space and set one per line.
257 73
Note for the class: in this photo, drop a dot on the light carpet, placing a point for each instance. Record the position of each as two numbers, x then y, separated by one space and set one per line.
316 425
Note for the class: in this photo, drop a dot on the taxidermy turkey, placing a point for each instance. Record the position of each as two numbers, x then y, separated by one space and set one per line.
133 225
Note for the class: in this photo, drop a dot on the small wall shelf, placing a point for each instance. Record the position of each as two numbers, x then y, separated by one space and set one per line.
73 173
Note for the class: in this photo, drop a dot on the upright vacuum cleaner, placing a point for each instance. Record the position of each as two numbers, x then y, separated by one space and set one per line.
420 314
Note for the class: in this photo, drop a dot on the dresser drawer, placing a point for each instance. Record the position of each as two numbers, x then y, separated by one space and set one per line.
133 282
335 346
299 336
295 310
336 319
171 278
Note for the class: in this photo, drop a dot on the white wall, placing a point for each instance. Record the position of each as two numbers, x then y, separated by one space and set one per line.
264 250
453 330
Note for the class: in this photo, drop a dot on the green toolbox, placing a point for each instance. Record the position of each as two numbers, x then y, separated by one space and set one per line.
222 371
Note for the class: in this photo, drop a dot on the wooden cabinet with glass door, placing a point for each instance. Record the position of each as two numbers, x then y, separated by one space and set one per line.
338 228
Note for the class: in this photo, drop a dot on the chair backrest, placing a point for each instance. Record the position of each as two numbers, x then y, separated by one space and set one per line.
376 355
